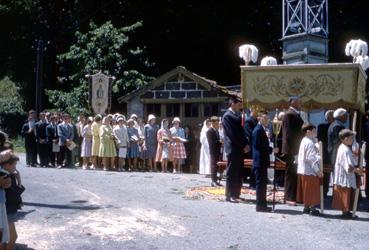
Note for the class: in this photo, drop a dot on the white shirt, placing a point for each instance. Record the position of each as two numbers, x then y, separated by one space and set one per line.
308 161
342 176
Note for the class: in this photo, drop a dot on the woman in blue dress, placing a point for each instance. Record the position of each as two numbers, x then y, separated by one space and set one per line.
150 142
133 151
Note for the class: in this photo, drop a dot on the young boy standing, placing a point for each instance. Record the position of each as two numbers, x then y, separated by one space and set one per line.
309 171
344 175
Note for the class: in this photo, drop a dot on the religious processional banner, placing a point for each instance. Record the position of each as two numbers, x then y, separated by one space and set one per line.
100 93
318 85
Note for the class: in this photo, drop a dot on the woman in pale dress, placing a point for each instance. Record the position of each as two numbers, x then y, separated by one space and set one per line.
204 163
86 146
107 150
164 152
121 134
95 127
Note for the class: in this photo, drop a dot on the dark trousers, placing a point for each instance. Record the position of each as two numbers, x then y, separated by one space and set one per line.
234 175
53 156
261 181
43 153
279 178
247 173
290 186
65 154
326 179
31 154
214 169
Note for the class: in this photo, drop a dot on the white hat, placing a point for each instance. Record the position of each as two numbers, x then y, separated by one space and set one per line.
327 114
151 117
134 116
121 118
176 119
339 112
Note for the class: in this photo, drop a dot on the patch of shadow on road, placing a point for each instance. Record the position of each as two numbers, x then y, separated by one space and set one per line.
23 247
233 247
22 214
338 217
287 211
79 201
58 206
176 191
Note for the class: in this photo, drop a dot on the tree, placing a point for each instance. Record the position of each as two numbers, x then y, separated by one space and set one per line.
11 107
10 100
104 48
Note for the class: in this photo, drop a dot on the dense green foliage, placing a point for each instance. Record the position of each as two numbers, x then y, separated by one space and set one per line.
104 48
201 35
10 100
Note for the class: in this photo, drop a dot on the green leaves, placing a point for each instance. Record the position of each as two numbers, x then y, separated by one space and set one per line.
106 48
10 99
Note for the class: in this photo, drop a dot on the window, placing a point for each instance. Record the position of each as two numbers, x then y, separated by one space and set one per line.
173 109
154 109
191 110
211 109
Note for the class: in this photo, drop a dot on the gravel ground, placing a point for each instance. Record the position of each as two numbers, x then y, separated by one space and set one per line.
77 209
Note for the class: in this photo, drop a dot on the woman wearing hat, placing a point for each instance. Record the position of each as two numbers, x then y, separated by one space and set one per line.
150 142
95 128
179 150
133 151
107 150
86 145
164 152
121 134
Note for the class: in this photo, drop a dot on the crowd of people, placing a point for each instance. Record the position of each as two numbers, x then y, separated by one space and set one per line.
110 142
11 189
299 149
114 143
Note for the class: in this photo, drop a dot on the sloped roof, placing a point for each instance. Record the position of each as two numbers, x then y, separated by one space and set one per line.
207 83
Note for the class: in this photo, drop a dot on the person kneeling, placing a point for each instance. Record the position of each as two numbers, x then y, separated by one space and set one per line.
309 171
261 160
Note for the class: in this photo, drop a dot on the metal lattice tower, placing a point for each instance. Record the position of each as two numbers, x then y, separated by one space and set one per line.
305 31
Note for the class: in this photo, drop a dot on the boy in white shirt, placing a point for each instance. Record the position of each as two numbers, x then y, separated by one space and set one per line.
345 175
309 171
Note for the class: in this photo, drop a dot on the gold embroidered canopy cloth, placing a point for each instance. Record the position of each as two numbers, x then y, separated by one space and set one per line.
319 85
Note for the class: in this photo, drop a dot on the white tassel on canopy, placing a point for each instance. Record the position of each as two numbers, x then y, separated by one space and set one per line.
248 53
363 61
268 61
358 49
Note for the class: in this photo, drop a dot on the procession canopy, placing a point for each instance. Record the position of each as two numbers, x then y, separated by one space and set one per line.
327 86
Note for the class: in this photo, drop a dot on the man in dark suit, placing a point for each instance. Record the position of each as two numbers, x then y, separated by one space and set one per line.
214 149
250 124
323 137
261 161
291 138
28 132
340 117
66 135
235 145
41 138
52 138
